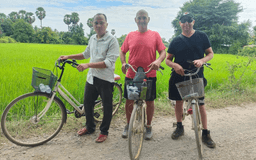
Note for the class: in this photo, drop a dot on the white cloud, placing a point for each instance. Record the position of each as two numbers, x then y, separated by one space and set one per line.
120 18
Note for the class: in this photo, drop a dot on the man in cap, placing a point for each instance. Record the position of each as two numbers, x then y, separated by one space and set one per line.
191 45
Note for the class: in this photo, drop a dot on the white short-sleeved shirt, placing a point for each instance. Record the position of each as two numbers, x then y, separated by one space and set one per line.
104 49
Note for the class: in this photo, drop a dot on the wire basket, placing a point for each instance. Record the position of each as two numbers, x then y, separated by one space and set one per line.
138 90
191 89
43 76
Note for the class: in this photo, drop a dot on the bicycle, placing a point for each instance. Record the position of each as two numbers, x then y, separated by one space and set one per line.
138 91
190 91
35 118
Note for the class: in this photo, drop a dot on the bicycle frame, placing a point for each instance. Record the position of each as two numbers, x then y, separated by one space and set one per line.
61 90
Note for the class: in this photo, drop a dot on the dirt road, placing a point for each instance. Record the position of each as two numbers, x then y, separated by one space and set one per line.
233 129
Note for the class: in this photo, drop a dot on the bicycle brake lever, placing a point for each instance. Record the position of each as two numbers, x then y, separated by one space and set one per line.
127 66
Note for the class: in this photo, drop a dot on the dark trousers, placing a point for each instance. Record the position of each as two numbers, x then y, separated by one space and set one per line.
104 89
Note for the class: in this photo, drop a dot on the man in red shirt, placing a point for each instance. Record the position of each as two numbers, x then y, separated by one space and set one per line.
142 46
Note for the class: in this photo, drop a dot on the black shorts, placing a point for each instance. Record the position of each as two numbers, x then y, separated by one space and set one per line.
153 91
173 91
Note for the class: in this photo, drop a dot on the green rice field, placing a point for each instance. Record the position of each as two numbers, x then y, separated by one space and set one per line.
18 59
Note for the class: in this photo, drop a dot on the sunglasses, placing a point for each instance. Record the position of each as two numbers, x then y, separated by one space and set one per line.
184 20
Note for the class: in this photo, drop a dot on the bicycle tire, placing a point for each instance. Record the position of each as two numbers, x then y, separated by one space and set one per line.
19 120
136 132
117 99
197 129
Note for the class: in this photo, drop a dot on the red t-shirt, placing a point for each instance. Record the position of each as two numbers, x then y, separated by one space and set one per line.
142 47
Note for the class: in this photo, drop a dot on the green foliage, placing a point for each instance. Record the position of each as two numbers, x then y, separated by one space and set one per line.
23 31
30 18
46 35
248 51
166 44
121 39
67 38
218 19
7 27
235 48
67 20
236 74
40 13
74 18
7 39
89 22
22 14
77 33
221 35
2 17
13 16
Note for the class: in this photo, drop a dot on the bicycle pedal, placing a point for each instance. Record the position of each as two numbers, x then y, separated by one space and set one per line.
96 114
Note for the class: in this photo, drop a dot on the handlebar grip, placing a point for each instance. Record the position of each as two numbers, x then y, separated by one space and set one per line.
161 67
127 66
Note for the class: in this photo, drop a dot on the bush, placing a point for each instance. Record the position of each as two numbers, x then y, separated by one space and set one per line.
235 48
7 39
248 51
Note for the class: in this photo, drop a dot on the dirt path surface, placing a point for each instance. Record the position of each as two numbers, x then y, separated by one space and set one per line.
233 129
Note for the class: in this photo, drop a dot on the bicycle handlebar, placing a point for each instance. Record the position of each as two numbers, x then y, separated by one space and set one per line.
127 65
192 74
73 63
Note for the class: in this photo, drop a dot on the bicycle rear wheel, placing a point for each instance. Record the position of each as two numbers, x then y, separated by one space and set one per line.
117 99
136 132
21 124
197 129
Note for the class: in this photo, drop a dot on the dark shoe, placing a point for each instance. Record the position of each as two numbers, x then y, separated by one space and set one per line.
101 138
149 133
179 131
125 132
207 140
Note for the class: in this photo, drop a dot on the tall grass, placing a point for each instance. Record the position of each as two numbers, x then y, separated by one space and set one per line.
17 60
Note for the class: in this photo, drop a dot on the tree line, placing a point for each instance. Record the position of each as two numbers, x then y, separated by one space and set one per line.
217 18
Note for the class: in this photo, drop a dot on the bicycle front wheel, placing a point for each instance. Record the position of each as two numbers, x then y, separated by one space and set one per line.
136 132
21 124
197 129
117 99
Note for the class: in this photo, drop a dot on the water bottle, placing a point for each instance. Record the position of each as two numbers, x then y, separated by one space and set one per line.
133 92
42 87
144 87
48 89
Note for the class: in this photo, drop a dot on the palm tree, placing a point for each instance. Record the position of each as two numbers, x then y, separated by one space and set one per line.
89 22
90 25
30 18
2 17
74 18
22 14
40 13
13 16
67 20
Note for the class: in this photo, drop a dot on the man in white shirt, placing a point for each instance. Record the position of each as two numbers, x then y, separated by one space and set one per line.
103 50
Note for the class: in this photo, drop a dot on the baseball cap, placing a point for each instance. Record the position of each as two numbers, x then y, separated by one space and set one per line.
186 14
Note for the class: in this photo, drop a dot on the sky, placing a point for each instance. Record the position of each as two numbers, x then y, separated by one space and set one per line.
120 13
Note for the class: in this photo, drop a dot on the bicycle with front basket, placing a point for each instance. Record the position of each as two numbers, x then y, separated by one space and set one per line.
35 118
190 91
139 92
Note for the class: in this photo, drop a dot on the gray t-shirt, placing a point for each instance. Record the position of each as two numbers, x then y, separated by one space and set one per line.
104 49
